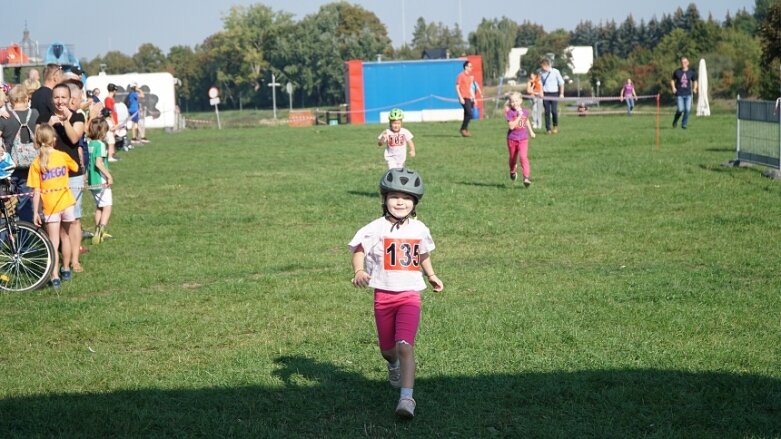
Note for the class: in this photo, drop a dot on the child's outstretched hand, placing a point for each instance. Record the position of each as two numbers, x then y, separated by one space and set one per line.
361 279
436 284
412 153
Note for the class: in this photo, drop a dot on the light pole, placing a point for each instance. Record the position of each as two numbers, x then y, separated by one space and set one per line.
598 84
274 84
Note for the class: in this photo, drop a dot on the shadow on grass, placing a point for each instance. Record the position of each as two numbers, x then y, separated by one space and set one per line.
323 400
481 184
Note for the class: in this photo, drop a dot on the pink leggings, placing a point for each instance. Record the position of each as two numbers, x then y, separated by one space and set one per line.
519 148
397 315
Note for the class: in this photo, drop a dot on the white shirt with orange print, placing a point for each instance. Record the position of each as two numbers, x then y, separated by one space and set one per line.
396 145
393 253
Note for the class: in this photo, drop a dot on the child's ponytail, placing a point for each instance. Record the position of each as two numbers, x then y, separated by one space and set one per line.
44 141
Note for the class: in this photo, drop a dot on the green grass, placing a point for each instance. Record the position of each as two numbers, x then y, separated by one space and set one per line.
632 291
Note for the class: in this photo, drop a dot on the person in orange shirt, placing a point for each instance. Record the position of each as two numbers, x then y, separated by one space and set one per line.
48 177
466 95
534 88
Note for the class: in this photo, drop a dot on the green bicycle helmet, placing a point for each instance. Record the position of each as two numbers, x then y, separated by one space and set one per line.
403 180
396 114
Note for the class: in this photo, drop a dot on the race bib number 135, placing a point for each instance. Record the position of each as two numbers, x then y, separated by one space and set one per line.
401 254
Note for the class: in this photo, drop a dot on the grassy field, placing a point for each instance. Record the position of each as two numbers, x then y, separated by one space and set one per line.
631 291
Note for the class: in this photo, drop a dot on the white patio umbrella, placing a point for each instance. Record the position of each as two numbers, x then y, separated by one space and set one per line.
703 108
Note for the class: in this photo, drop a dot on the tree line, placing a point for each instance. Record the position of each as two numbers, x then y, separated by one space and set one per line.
742 52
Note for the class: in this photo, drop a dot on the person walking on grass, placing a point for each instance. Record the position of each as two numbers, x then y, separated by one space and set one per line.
396 140
552 90
48 177
518 131
684 85
467 93
388 255
99 175
629 95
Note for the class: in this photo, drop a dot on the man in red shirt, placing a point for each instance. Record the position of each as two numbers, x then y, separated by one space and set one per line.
466 95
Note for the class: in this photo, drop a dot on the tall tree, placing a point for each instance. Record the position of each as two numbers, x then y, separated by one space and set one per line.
437 35
251 36
493 40
528 33
182 62
149 58
324 41
770 35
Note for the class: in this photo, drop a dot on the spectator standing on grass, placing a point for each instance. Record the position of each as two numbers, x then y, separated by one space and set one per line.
48 176
142 112
629 95
20 113
684 85
134 112
534 88
466 95
552 90
388 255
69 126
396 139
41 99
100 179
113 121
518 133
95 95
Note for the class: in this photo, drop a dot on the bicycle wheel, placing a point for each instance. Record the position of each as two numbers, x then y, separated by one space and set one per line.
26 257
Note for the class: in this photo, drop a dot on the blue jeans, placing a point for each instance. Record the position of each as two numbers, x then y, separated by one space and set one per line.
630 105
684 106
24 208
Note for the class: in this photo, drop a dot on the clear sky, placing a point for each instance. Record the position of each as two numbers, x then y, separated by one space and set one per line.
99 26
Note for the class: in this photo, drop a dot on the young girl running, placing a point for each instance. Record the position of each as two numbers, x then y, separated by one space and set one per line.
388 255
396 139
48 177
98 174
518 134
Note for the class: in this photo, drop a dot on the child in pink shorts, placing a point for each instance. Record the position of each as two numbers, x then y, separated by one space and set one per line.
388 255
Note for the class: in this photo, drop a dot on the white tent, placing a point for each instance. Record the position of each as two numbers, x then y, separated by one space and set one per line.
703 108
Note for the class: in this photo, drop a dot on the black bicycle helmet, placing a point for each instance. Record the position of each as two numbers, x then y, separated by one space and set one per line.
403 180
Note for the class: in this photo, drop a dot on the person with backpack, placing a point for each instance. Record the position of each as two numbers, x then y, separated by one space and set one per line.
18 133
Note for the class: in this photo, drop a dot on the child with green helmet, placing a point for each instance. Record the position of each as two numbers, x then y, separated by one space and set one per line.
391 255
396 140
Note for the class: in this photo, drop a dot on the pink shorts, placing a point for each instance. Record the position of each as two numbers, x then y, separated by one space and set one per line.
397 315
63 216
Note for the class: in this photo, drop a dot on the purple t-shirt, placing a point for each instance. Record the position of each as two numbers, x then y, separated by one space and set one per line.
629 90
520 132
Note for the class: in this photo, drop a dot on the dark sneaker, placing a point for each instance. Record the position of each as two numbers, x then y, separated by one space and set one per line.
65 275
527 182
56 284
513 176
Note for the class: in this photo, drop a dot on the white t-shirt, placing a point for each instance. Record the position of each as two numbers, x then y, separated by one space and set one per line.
396 144
393 253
